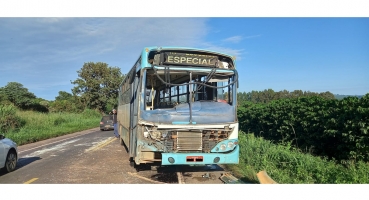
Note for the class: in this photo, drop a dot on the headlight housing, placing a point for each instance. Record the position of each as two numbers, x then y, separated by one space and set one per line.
230 145
225 146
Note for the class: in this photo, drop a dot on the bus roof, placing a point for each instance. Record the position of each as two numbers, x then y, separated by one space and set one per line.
159 48
143 58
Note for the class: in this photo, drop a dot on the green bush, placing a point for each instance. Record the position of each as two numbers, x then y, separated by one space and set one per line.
9 119
91 113
63 105
41 126
59 120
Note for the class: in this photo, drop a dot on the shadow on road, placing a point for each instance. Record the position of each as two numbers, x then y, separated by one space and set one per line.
165 174
201 168
25 161
21 163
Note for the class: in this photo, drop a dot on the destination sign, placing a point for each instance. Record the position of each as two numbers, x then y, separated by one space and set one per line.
189 59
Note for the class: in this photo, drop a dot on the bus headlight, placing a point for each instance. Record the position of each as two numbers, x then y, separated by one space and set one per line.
230 145
146 134
156 134
223 147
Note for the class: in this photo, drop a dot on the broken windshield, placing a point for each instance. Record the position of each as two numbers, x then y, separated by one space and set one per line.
166 88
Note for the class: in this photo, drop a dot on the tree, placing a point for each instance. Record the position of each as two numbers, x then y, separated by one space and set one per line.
18 95
66 102
3 96
327 95
64 96
98 85
297 93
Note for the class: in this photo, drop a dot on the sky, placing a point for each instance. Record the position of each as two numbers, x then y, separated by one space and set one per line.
315 51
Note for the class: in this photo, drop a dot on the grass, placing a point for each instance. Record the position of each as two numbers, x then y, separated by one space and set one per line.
287 165
41 126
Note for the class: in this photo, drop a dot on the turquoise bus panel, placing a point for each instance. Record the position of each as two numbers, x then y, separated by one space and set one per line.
201 158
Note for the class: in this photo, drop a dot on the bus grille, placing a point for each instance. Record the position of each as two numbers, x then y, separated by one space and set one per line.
189 141
193 141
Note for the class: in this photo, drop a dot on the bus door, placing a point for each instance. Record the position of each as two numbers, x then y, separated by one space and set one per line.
134 106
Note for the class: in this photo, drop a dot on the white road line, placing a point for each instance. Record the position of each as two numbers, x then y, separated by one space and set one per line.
52 143
58 147
100 144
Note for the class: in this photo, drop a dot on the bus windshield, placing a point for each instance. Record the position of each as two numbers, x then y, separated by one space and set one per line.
168 88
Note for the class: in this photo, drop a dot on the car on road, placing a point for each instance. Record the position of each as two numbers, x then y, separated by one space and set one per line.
8 154
106 123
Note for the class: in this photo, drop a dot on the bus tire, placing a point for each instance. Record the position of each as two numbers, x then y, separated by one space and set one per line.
133 164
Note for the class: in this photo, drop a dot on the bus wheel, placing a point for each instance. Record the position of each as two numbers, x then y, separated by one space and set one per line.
133 164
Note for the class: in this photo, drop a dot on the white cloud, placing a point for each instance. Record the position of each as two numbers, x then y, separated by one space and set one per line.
45 53
48 51
57 39
234 39
238 38
231 51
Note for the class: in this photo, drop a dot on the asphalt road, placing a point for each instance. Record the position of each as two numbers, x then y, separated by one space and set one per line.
96 157
87 157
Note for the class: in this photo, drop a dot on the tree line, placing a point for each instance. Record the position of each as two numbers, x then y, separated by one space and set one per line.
96 88
269 95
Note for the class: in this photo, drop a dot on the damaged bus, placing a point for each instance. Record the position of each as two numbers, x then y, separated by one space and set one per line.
178 106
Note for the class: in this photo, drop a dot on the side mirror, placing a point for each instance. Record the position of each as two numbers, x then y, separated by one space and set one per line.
2 137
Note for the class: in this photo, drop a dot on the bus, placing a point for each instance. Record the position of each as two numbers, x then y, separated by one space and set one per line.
178 106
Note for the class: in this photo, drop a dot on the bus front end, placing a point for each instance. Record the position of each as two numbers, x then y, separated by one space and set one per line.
188 108
182 143
188 145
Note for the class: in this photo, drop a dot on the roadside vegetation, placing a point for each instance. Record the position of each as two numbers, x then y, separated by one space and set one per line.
327 127
288 165
303 137
25 118
40 126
